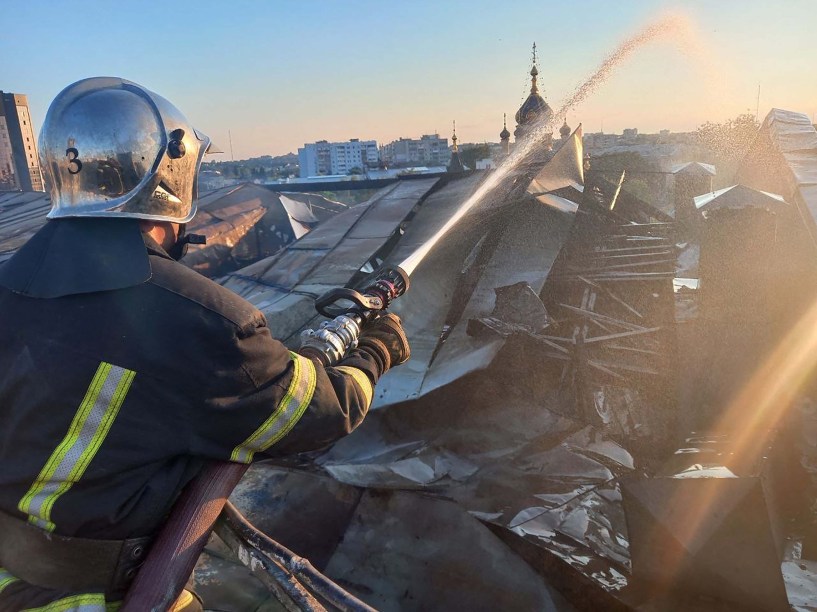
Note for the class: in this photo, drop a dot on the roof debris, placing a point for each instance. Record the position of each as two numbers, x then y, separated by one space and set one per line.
604 409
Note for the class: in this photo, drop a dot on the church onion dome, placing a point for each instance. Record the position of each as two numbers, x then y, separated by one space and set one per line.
504 134
455 165
534 108
565 130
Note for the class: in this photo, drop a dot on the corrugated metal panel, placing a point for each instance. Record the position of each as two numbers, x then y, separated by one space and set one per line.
325 258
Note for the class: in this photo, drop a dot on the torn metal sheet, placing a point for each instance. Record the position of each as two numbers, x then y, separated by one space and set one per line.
373 544
486 252
801 584
565 169
406 551
504 237
505 459
526 252
298 211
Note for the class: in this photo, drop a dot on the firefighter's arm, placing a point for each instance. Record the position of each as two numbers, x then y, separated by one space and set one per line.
342 401
271 401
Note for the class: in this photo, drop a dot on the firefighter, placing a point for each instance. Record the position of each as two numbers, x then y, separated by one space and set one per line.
122 372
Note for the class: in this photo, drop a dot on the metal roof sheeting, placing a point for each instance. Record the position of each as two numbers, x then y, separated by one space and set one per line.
739 196
783 159
693 168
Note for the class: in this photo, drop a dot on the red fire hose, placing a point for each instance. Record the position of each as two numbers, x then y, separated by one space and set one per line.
174 553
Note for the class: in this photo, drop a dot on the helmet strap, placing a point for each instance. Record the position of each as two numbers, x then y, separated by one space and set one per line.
179 248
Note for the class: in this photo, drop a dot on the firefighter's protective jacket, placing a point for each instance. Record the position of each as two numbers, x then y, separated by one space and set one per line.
123 371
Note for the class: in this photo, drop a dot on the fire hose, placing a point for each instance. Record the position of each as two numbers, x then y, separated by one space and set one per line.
182 538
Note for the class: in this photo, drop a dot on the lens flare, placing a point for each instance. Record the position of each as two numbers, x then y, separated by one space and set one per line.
752 416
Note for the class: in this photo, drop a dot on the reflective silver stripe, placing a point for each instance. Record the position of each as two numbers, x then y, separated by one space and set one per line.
288 412
362 380
88 429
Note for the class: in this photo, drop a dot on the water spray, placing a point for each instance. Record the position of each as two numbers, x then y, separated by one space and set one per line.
350 310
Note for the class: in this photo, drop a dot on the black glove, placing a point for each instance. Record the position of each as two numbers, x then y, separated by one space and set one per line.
386 336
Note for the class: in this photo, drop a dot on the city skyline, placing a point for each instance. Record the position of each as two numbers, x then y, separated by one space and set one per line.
275 76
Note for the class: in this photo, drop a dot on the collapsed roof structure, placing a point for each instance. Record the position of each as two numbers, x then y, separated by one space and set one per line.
545 447
541 333
556 440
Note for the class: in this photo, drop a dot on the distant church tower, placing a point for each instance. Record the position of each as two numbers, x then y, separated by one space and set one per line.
505 137
565 131
534 111
455 165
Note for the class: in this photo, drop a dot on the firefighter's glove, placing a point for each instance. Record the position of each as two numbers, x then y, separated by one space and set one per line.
385 335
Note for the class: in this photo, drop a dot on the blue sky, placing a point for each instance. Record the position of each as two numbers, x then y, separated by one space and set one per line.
278 74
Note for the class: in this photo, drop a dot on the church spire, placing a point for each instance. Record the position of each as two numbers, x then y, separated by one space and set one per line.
534 109
455 165
565 130
534 72
505 135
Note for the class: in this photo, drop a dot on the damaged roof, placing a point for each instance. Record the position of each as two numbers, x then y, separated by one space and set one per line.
783 159
486 437
248 222
512 235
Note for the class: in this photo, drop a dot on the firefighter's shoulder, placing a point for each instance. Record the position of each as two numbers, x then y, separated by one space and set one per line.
195 289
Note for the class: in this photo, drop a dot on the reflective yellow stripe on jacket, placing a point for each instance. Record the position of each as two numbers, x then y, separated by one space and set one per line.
362 380
88 602
5 578
286 414
87 431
